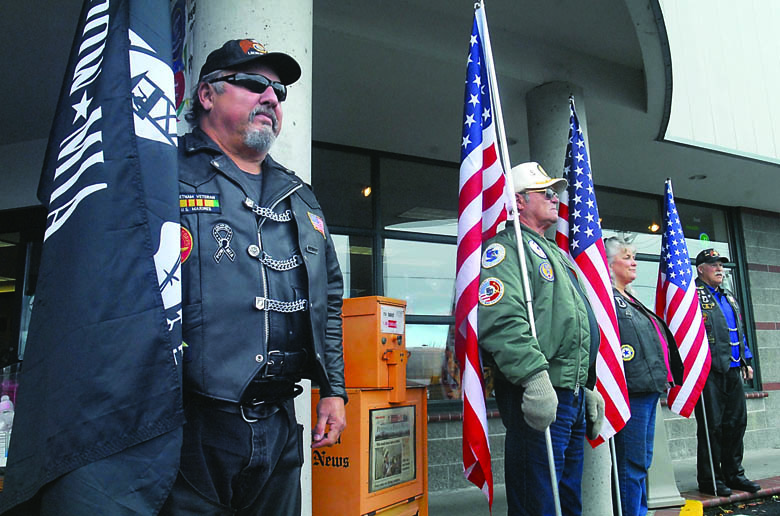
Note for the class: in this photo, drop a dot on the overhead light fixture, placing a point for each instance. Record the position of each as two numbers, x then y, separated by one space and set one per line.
366 191
654 227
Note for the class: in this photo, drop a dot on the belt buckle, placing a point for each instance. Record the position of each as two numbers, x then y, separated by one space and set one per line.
272 362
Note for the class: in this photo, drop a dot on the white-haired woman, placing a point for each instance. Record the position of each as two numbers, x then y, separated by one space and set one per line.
652 363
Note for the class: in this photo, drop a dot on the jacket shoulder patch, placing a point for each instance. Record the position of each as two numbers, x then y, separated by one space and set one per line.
491 290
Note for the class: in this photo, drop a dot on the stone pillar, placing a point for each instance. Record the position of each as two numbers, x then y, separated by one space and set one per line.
548 123
548 134
282 26
661 484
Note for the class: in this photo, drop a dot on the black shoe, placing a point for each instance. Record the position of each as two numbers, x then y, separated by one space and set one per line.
723 490
743 484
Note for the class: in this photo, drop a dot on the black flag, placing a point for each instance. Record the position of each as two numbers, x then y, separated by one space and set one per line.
101 375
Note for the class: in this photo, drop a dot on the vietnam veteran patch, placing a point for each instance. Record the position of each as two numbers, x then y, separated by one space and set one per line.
199 203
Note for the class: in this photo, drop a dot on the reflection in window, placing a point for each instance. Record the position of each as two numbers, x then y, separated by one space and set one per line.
340 180
432 360
422 274
419 197
356 262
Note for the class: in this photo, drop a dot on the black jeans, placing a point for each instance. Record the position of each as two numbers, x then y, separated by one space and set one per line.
234 464
724 401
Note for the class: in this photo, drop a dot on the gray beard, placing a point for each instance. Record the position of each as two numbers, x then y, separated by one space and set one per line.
260 140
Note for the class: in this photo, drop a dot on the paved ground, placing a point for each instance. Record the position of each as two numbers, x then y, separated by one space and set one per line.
763 466
763 507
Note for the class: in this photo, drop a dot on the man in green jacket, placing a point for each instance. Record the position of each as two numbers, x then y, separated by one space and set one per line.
546 380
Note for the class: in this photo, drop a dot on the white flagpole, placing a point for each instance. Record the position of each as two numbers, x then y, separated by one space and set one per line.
498 117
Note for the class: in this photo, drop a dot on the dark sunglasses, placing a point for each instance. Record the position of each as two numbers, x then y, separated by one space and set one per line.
255 83
549 193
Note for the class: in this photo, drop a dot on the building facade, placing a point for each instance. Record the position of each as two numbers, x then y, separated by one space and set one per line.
374 125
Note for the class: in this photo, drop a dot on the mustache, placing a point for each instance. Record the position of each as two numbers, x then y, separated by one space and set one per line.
264 110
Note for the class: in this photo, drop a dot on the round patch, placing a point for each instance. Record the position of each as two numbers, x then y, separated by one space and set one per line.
546 271
537 249
493 255
627 352
186 244
491 290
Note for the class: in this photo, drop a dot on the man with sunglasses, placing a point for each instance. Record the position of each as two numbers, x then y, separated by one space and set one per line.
262 294
543 381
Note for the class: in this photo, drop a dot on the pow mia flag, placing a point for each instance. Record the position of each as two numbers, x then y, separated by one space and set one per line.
99 409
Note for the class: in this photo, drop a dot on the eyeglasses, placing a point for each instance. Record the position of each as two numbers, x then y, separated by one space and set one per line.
255 83
549 193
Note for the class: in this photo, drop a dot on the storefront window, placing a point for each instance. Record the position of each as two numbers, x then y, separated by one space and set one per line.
422 274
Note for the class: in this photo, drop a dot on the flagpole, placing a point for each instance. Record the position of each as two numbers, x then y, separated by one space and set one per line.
512 203
709 445
615 476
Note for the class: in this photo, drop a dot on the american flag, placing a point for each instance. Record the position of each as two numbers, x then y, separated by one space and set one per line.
579 235
481 207
677 303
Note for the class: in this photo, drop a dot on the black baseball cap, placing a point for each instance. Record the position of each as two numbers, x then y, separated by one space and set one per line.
710 256
241 51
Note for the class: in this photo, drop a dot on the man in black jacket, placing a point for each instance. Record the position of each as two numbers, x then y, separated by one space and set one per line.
262 294
723 397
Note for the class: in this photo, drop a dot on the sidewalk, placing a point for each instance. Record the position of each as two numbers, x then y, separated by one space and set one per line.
762 465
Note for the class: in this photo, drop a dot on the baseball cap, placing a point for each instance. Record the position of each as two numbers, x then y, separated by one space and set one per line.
531 176
710 256
241 51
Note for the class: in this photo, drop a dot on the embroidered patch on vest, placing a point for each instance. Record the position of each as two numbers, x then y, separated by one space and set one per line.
493 255
186 244
491 290
199 203
546 271
223 234
317 223
619 301
537 249
627 352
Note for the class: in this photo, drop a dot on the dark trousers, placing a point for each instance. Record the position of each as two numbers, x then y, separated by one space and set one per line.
230 466
526 468
724 402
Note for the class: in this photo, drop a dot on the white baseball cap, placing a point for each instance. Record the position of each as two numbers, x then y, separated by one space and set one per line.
531 176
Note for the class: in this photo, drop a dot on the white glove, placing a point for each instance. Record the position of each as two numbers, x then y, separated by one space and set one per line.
539 401
594 413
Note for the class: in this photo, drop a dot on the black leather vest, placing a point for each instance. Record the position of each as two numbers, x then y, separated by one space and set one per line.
718 334
247 273
641 348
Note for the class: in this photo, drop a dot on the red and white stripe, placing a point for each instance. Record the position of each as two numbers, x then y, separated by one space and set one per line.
681 311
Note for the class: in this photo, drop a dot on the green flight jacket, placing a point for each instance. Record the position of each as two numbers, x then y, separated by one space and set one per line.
564 321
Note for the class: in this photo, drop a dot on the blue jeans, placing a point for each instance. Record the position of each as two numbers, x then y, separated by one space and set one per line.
634 450
526 470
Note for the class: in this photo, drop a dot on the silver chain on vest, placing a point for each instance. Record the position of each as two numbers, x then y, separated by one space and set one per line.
263 303
268 213
280 265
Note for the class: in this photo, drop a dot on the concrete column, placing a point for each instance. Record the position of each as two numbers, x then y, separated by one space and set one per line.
548 134
548 123
661 483
282 26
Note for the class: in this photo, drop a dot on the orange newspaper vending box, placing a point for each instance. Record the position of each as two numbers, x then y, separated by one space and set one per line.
380 464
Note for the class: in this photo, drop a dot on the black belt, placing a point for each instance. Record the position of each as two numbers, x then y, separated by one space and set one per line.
258 394
289 365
